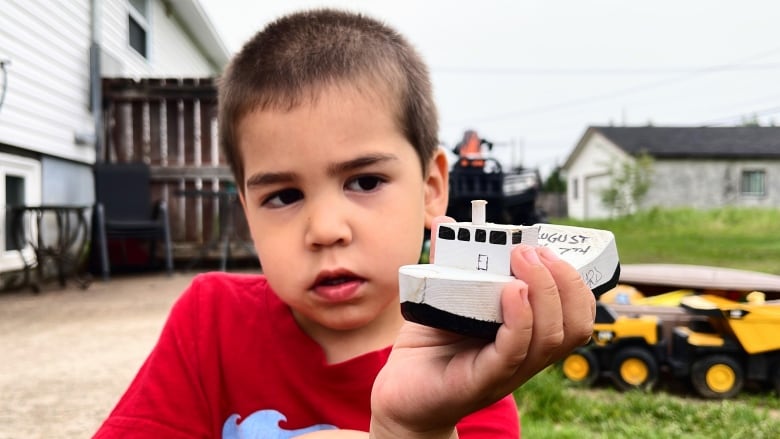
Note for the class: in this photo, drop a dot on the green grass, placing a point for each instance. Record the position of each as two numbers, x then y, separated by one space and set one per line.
550 407
749 239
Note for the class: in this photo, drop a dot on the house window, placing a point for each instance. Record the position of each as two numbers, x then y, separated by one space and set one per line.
753 182
464 234
20 184
138 26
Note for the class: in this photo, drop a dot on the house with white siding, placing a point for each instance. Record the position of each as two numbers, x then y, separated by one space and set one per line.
53 55
699 167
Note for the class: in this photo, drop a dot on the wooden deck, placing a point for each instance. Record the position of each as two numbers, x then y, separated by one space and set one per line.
171 124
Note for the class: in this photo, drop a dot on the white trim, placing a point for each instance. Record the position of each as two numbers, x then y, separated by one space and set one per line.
143 19
30 171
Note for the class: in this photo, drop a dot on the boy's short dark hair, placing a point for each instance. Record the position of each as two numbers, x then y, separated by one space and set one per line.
290 61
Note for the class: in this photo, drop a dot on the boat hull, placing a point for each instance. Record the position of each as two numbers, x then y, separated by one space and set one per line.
457 300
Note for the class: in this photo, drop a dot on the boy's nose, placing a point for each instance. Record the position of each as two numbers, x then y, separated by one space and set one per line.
328 225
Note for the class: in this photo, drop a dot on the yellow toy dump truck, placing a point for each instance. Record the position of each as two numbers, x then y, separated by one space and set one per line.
627 349
722 345
740 342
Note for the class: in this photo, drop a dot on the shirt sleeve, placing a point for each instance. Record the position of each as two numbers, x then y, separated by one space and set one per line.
500 420
165 399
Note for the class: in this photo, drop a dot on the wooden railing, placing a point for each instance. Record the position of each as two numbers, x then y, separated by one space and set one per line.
171 124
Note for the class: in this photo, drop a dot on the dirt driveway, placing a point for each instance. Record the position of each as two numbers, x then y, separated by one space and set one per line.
66 355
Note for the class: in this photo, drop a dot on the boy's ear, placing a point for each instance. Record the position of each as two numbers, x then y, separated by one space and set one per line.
437 189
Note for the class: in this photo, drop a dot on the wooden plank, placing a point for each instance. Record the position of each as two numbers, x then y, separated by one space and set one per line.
699 277
191 172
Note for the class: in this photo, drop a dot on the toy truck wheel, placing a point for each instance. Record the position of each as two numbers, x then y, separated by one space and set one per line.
581 367
717 377
634 368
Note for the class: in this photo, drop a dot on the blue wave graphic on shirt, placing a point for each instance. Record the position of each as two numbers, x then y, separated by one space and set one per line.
264 424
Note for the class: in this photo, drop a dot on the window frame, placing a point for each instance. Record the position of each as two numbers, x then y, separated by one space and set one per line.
30 171
745 177
142 19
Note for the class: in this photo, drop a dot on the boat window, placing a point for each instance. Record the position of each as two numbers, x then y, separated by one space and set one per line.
497 237
464 234
480 235
446 233
517 237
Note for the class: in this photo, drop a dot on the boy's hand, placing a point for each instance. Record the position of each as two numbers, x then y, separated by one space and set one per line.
433 378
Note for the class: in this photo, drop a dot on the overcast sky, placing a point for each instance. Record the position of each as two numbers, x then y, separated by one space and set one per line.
531 76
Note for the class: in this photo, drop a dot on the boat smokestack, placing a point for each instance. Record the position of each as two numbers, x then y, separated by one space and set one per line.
478 212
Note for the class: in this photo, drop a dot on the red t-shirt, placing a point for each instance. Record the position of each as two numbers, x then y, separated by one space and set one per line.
232 362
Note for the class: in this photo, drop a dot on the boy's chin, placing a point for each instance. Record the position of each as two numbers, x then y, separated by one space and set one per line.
333 323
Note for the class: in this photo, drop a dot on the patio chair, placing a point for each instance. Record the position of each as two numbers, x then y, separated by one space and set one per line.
124 210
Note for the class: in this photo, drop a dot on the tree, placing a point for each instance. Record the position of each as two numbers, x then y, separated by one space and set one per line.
555 184
629 183
751 121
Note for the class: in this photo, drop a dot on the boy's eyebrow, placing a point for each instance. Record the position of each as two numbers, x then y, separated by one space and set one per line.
358 163
269 178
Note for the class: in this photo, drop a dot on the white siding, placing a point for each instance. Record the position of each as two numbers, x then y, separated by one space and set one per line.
172 52
589 169
47 99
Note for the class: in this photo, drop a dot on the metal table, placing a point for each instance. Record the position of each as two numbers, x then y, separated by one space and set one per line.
58 235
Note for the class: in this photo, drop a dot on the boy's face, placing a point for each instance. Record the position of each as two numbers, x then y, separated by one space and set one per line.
336 201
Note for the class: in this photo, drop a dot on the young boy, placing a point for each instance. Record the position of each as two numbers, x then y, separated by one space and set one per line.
328 121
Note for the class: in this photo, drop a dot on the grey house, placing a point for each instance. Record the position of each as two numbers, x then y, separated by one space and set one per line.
700 167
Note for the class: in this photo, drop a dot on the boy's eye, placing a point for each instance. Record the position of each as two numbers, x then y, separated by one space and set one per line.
283 198
365 183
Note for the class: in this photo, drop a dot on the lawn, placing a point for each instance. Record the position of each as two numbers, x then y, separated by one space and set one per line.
550 407
749 239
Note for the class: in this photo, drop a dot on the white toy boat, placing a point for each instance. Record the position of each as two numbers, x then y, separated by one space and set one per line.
461 290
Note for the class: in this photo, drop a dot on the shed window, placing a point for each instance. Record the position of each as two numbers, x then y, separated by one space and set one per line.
753 182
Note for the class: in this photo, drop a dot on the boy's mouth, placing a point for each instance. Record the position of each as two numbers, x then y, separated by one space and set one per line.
337 285
335 281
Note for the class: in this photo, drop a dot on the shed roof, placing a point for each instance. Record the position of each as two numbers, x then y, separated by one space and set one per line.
696 142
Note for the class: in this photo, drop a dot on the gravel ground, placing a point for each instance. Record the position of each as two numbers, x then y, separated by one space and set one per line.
67 355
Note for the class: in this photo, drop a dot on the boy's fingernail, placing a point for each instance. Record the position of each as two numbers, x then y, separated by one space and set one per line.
530 256
549 254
